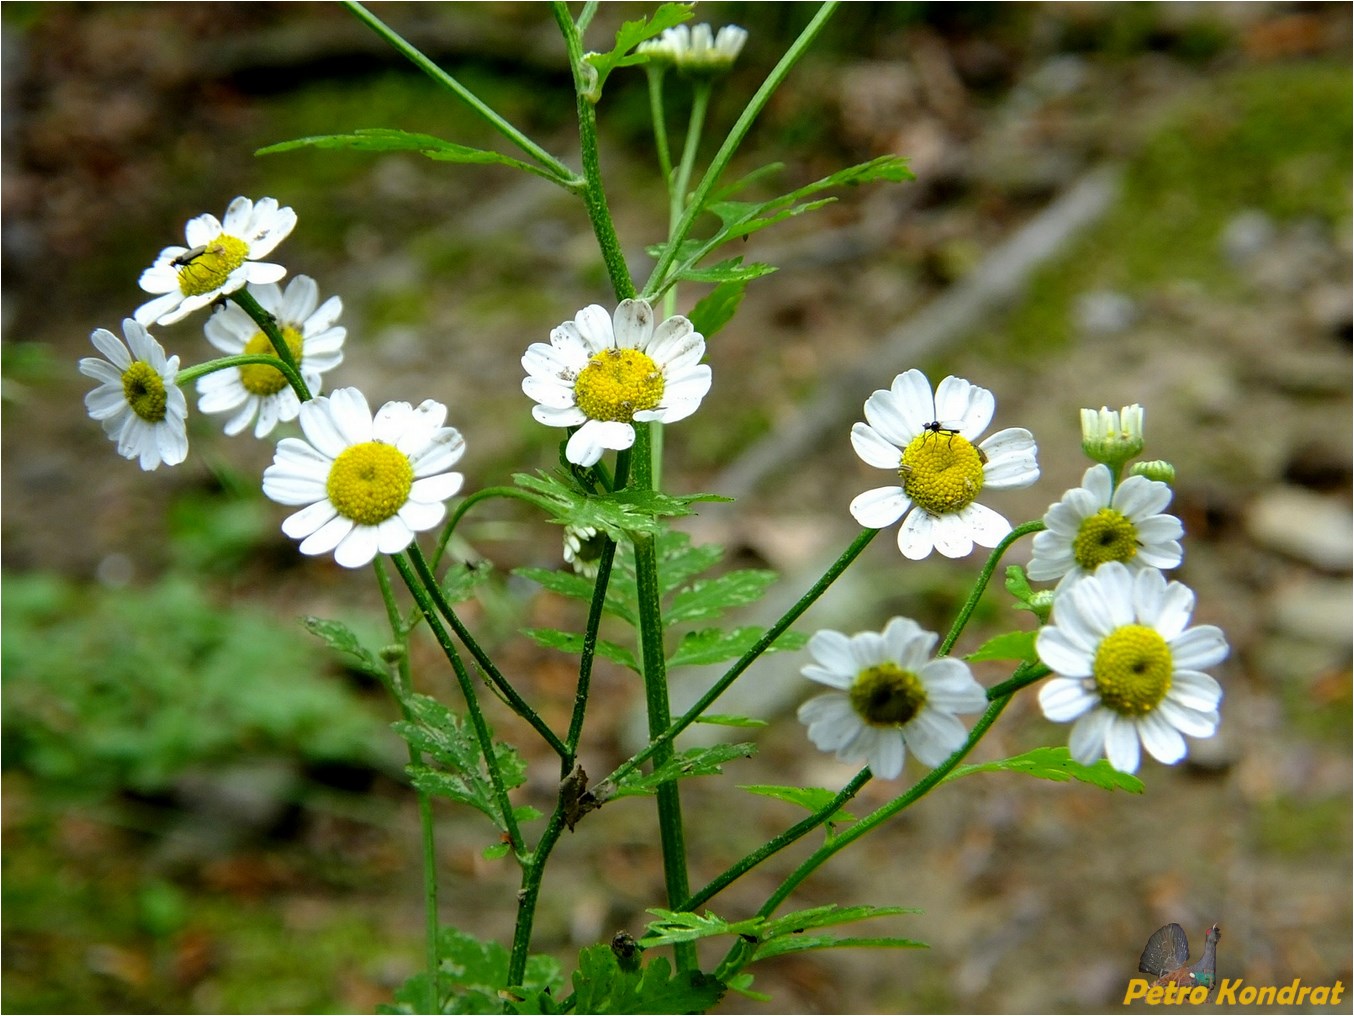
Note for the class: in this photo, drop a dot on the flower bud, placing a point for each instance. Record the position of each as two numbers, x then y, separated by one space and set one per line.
1112 437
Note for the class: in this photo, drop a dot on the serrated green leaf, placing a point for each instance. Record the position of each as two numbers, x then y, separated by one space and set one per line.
339 637
621 515
714 645
675 926
717 308
692 762
1012 645
804 943
728 270
742 984
601 986
1056 764
726 720
811 798
630 35
495 852
571 642
709 598
386 139
567 583
826 916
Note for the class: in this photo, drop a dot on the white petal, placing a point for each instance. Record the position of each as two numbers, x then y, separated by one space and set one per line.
314 518
568 416
1162 741
358 547
952 536
549 392
913 403
985 526
1122 744
1194 722
1012 459
832 650
885 413
1138 497
1167 610
1194 689
436 489
1086 742
874 449
593 325
1064 699
394 534
634 322
298 302
916 535
964 407
887 756
588 443
1061 653
880 507
934 736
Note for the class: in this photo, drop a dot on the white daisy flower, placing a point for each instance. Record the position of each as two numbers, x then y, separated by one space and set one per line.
1098 522
1112 436
929 443
138 403
604 374
1130 670
696 48
219 259
891 695
583 549
256 389
368 485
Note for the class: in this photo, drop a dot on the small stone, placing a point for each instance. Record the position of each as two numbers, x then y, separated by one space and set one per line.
1247 235
1104 312
1304 525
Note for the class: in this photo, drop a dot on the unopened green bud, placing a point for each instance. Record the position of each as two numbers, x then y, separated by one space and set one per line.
1156 469
1041 604
1110 436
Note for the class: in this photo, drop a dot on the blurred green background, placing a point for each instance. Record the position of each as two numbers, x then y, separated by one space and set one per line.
204 811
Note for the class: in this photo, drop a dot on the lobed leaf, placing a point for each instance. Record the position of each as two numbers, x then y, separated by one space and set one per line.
675 926
339 637
692 762
1057 764
711 597
811 798
572 642
389 139
1012 645
714 645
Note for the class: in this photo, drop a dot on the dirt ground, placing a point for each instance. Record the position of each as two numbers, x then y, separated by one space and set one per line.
1035 897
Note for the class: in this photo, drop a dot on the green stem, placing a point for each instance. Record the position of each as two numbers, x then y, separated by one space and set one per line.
732 674
594 194
1025 675
558 171
268 324
514 700
735 138
595 609
656 73
654 666
188 375
700 102
477 721
480 495
739 955
533 871
427 830
738 870
985 576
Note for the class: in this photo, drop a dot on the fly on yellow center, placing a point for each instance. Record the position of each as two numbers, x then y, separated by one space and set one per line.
1107 535
260 378
618 383
369 482
941 471
886 695
144 390
1132 670
207 267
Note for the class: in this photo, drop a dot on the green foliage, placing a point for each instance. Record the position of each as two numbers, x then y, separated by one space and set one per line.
717 308
727 720
448 741
1055 764
340 638
743 218
692 762
572 642
620 515
111 689
1011 645
602 985
471 977
384 139
630 35
812 798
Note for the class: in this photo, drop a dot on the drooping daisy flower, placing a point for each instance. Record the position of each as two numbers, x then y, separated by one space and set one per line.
1093 524
138 403
256 389
219 259
604 374
1130 668
582 549
368 485
1112 436
696 48
891 695
929 443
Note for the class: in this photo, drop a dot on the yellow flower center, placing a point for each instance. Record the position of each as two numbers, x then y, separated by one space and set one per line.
618 383
886 695
941 472
1133 670
260 378
144 391
1107 535
370 482
205 268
